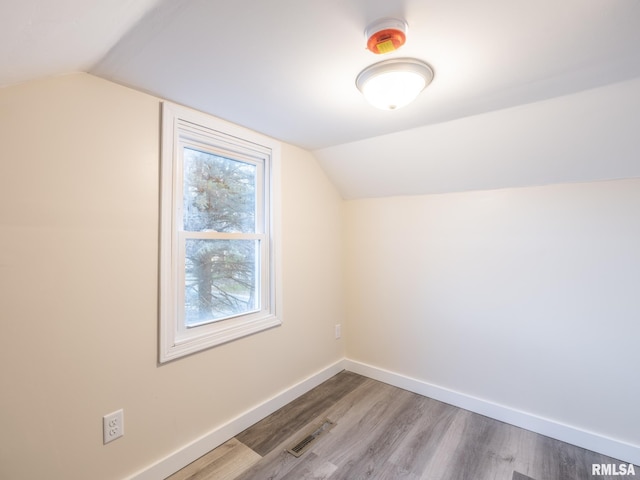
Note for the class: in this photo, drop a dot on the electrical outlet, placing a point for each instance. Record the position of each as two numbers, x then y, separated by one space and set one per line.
338 331
112 426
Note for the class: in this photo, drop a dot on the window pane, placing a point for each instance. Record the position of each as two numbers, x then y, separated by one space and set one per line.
220 279
219 193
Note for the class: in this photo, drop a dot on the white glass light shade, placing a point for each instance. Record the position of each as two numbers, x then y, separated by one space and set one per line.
394 83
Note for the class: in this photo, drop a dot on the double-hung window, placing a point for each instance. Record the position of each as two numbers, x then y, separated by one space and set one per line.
217 246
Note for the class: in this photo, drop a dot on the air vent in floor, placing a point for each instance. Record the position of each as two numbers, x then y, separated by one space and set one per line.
309 437
520 476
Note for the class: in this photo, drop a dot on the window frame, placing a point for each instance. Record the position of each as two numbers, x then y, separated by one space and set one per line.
186 128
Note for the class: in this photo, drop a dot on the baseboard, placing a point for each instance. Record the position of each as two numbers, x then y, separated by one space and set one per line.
622 451
598 443
194 450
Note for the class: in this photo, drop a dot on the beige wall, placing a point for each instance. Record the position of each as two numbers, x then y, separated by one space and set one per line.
78 289
527 298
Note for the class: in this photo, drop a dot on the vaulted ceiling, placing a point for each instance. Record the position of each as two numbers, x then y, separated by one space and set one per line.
287 68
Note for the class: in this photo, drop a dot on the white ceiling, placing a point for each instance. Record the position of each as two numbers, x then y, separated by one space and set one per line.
40 38
287 68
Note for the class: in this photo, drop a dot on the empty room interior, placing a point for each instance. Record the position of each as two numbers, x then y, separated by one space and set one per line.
207 223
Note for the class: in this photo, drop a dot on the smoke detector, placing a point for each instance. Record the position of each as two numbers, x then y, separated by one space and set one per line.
386 35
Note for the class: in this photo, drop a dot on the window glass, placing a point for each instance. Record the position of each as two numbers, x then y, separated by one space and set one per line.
220 279
219 193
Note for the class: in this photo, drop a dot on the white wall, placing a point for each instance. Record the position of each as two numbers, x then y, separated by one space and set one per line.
78 289
528 298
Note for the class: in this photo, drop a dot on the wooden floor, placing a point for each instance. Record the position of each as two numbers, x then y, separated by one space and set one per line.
383 432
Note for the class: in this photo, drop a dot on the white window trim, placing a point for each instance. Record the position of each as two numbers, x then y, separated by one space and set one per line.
179 124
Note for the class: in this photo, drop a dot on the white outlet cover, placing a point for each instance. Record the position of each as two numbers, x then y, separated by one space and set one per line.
112 426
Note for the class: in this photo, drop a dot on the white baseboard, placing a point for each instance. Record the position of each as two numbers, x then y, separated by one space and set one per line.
182 457
591 441
194 450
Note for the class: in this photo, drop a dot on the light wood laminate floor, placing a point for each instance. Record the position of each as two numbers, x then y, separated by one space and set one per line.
386 433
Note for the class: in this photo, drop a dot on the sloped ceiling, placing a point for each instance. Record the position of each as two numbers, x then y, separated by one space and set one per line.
287 68
40 38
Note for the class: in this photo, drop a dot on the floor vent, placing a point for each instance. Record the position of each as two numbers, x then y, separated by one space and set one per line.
309 437
520 476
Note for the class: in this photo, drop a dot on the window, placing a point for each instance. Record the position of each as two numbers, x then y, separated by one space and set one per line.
218 275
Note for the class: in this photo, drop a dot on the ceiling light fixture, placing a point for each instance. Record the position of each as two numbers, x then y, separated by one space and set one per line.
394 83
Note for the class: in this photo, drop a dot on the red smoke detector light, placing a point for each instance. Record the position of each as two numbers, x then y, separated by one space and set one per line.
386 35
